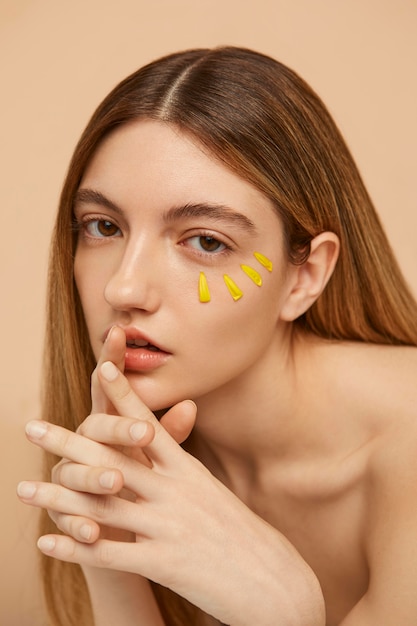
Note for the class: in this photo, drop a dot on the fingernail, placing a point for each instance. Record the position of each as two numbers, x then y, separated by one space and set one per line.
85 532
110 332
137 430
26 490
109 371
106 480
46 544
36 429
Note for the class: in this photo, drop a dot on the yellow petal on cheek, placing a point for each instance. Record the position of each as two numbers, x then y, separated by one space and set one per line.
203 289
263 260
234 290
253 274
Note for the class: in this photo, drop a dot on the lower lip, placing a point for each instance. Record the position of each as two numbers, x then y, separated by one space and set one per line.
142 360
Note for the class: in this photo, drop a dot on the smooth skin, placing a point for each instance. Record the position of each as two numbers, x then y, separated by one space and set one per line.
161 483
296 489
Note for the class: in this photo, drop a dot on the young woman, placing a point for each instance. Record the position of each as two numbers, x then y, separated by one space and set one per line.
247 451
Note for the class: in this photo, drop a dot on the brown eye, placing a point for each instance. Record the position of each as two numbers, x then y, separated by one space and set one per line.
106 228
205 243
102 228
209 244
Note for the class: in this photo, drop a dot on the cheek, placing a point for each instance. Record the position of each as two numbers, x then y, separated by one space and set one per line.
244 275
227 337
235 308
89 280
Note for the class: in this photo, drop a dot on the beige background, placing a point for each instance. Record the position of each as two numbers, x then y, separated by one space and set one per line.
58 59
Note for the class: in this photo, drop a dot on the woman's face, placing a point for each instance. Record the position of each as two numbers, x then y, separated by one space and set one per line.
155 213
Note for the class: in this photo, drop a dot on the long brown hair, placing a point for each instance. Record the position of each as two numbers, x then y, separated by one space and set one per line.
268 126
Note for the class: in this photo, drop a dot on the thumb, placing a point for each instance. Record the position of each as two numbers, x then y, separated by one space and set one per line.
179 420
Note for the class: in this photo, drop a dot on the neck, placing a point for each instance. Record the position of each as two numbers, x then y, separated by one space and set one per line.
257 419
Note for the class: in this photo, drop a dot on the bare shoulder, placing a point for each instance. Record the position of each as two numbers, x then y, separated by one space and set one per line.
391 529
380 380
389 395
393 460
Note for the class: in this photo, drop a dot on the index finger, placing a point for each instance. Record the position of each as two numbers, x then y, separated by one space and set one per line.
127 403
114 349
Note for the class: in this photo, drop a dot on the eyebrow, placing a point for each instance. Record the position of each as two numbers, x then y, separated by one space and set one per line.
90 196
211 211
219 212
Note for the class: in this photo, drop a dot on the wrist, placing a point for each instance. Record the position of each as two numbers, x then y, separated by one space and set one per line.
282 589
121 598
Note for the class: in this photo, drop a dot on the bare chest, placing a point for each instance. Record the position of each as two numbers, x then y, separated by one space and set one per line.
327 527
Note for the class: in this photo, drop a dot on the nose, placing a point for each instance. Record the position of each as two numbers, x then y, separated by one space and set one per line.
134 281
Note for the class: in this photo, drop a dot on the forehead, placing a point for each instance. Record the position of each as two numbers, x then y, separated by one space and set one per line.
158 164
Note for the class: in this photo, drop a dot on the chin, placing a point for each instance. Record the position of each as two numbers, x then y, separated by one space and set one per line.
156 397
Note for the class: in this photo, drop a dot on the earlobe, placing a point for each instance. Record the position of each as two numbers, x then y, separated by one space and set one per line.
310 279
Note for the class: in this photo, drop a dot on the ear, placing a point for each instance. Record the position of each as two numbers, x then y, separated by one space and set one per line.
309 279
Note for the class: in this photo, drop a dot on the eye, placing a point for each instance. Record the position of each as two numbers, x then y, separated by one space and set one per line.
206 243
101 228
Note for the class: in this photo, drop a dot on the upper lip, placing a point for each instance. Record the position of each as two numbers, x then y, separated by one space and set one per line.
135 335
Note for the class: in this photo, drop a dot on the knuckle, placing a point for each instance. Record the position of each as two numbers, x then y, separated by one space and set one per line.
73 527
68 549
66 441
111 458
104 553
126 399
102 507
53 496
89 424
124 391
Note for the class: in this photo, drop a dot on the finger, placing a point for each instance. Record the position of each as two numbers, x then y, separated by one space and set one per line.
116 430
114 349
78 449
97 480
178 423
79 528
180 420
67 549
125 431
103 553
72 446
107 510
118 390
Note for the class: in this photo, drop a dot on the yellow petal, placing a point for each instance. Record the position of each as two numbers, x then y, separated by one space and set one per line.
203 288
235 292
253 274
263 261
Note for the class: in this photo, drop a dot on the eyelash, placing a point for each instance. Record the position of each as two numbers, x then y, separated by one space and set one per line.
226 248
82 225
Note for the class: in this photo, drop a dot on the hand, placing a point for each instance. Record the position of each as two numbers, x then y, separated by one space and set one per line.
178 422
192 534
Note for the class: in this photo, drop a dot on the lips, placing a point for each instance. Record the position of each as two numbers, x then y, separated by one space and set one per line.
142 354
136 339
142 343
